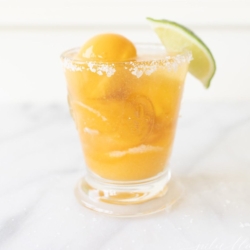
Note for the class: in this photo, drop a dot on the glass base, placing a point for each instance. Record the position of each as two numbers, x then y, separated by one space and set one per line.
130 198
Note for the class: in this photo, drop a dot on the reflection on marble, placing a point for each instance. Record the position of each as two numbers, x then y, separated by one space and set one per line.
40 162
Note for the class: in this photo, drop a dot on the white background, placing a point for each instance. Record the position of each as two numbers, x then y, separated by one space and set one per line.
34 33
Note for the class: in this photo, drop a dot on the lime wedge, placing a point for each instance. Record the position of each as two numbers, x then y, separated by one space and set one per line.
175 37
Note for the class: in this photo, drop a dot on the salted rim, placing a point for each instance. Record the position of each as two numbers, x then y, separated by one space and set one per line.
137 67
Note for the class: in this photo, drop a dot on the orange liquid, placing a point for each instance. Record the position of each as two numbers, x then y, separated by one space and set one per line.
126 123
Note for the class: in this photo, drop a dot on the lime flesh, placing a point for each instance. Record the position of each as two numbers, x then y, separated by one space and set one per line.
176 38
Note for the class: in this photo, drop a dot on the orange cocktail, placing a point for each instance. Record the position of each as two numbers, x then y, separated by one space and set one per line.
126 113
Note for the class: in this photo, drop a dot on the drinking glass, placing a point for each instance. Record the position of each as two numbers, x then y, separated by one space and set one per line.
126 115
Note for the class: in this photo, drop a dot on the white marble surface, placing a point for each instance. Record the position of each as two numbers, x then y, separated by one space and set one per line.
40 162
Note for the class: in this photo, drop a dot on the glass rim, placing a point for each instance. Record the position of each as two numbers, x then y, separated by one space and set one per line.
157 59
185 54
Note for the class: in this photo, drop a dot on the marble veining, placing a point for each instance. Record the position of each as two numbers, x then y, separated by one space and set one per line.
41 161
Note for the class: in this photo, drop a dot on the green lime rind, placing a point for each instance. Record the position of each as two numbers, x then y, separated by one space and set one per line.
177 37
